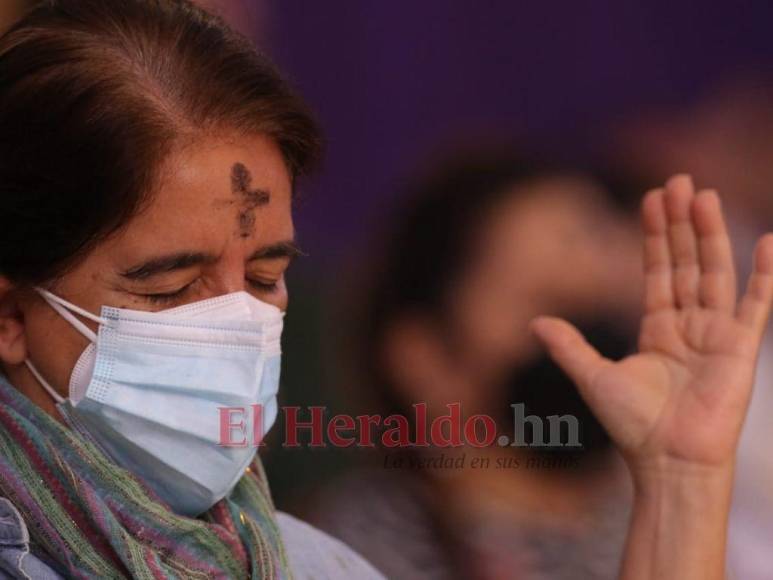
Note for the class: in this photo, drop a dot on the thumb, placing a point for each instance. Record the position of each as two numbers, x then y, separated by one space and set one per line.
569 350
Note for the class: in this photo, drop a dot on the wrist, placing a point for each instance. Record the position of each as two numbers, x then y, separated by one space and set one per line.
654 477
679 527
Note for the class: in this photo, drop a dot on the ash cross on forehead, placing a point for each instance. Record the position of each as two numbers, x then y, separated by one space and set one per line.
241 187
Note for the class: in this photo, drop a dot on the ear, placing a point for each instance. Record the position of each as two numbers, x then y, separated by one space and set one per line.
418 362
13 345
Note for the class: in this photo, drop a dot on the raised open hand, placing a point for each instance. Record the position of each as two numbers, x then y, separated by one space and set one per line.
684 395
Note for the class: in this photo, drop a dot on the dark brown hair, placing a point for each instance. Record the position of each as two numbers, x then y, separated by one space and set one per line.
95 94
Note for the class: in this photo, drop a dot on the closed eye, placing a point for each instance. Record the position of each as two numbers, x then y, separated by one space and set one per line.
264 286
167 297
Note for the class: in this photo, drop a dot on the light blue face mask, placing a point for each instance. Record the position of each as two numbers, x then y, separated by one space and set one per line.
149 388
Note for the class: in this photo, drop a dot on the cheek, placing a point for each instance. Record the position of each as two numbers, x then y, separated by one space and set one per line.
493 326
284 298
53 345
278 297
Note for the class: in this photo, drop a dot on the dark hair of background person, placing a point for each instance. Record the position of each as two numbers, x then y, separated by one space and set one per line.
94 96
429 243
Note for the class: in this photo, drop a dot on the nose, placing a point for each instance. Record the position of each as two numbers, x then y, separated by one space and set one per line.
229 274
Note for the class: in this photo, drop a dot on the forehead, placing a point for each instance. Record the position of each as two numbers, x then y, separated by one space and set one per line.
212 194
529 239
548 211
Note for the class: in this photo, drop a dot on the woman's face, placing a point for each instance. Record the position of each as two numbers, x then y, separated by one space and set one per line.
220 222
557 250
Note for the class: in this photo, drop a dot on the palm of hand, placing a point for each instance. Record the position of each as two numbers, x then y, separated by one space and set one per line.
684 395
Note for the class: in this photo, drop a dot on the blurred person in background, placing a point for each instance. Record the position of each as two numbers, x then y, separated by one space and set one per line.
484 244
725 138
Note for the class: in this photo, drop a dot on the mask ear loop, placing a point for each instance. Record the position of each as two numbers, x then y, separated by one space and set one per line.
64 308
44 383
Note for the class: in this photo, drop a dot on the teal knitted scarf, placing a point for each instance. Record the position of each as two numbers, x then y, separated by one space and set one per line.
95 520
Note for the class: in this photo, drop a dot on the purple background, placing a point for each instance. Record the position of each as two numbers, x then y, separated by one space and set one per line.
392 80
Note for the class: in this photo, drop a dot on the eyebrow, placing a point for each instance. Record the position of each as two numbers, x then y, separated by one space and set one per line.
165 264
182 260
284 249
